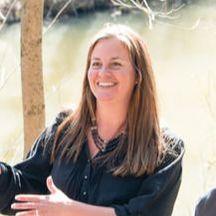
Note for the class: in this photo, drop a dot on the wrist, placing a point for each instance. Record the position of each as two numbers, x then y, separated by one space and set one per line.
76 208
69 208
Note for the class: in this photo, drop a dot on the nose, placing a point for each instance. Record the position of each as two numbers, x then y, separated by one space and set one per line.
104 70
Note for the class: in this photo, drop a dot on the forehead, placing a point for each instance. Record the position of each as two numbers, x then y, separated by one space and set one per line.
110 47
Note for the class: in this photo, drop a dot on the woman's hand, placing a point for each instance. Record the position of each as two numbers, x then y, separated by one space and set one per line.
57 203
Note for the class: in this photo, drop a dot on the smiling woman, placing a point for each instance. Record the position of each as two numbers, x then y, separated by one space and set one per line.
108 157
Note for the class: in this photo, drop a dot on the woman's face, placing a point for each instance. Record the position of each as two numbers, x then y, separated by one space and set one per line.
111 75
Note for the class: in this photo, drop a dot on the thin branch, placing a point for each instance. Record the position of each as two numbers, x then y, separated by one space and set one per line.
207 98
147 6
144 7
2 16
16 151
172 11
7 14
57 16
150 13
5 80
121 3
134 5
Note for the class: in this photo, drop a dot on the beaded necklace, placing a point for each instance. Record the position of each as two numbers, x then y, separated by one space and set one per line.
101 143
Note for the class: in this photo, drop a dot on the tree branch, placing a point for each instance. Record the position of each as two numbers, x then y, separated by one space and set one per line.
3 80
144 7
57 16
7 14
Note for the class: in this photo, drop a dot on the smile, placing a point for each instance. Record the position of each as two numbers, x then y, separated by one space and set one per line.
106 84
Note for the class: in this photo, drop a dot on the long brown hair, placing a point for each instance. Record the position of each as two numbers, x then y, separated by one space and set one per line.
142 146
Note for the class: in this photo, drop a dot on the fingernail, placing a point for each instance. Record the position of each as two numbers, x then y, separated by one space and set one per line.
17 197
13 206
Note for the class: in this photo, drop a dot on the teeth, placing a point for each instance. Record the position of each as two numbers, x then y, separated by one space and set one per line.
106 84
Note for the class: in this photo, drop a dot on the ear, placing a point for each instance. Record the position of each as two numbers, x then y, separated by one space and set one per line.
136 82
51 186
137 78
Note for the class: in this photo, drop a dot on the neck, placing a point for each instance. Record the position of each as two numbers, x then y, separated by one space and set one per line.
110 119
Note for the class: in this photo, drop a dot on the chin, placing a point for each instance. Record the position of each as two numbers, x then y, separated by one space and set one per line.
104 98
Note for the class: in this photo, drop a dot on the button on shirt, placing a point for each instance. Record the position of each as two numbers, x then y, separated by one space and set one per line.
147 195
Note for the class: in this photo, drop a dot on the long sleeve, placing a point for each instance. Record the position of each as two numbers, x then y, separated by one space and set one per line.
30 175
26 177
158 192
206 205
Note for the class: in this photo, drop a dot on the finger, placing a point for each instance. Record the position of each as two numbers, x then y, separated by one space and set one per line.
51 186
31 197
25 206
28 213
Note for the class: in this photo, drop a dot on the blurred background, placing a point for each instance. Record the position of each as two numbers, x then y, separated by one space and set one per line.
182 44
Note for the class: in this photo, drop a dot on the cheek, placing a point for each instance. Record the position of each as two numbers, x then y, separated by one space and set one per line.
130 80
91 77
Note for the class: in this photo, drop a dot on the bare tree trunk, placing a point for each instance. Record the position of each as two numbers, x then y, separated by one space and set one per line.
31 69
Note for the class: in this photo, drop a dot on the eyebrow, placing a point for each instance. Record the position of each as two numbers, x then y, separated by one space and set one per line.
95 58
114 58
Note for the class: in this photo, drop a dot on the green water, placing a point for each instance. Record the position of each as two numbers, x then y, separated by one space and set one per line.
184 58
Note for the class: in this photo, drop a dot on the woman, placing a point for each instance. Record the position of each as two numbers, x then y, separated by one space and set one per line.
108 157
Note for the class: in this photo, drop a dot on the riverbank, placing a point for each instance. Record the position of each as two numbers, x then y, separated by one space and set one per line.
11 9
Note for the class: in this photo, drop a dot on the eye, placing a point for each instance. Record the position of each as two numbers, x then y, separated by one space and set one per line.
116 64
96 64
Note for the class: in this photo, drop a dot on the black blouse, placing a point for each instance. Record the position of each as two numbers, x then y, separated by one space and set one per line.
148 195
